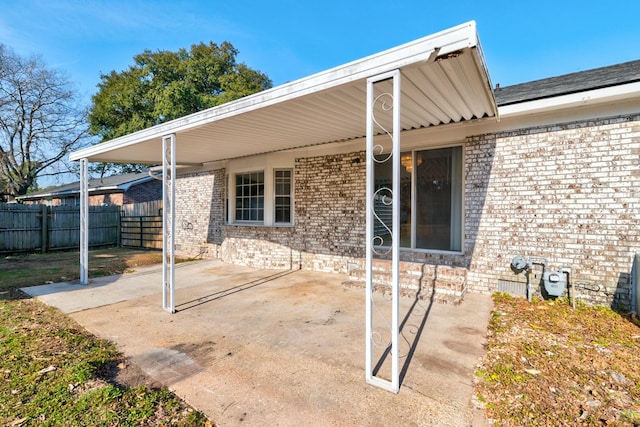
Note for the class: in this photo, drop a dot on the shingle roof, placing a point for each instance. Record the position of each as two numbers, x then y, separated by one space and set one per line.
109 182
581 81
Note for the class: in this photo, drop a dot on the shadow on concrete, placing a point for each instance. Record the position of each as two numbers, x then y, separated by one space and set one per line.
250 359
416 310
75 285
94 282
232 290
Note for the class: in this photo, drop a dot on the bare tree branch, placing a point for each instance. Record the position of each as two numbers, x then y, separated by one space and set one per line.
40 122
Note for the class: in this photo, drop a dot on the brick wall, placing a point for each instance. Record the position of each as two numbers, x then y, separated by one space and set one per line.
111 199
567 193
262 247
329 229
200 213
330 201
328 209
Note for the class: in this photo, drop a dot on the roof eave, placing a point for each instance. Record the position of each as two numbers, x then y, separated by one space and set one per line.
442 43
591 97
124 187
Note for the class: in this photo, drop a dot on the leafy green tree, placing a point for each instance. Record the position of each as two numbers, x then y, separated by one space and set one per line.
164 85
40 122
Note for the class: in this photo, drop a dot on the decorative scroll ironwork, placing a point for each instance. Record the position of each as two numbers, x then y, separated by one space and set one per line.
383 195
377 243
382 311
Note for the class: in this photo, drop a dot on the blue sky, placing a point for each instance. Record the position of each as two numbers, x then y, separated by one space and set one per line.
287 40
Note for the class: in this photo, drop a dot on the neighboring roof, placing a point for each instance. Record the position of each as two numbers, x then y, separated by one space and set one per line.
597 78
111 184
444 80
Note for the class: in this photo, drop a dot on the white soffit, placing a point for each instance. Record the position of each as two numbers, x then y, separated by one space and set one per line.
445 80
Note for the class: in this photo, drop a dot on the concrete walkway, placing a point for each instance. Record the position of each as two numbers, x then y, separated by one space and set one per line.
256 347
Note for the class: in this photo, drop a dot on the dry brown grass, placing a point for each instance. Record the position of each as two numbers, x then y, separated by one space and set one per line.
548 364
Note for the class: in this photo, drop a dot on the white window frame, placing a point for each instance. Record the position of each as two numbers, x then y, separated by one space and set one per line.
414 202
276 195
264 197
460 200
267 165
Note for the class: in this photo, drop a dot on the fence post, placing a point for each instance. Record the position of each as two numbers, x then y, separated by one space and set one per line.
141 234
119 228
44 228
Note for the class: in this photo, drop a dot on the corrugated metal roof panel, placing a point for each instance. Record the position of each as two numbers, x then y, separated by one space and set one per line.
444 81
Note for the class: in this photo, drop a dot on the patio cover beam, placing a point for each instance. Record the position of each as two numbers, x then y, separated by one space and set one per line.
445 80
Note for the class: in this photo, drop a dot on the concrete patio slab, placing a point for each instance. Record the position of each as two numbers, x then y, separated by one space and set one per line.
70 297
256 347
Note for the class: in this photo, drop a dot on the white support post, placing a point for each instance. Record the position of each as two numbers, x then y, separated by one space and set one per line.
375 245
168 222
369 234
84 221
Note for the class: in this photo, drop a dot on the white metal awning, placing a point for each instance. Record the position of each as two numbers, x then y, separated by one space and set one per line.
445 80
435 80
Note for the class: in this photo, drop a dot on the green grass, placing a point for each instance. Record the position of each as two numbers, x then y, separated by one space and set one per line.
20 270
22 277
52 372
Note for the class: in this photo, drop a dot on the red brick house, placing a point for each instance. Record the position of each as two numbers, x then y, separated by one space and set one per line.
108 191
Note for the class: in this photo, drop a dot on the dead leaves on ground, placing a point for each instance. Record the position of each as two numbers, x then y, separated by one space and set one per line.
548 364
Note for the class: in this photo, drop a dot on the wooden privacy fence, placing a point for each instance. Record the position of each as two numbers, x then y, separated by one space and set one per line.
142 225
26 228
